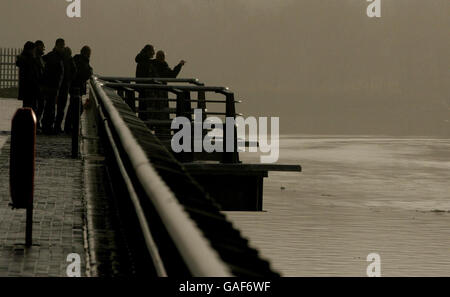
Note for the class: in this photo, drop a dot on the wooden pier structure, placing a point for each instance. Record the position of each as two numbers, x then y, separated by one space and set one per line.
233 184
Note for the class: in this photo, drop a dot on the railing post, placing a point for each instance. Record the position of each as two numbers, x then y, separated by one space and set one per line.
1 67
201 104
120 92
76 123
187 104
230 157
130 99
142 104
180 104
183 109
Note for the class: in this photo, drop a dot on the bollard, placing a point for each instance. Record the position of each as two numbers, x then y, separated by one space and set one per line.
22 165
76 123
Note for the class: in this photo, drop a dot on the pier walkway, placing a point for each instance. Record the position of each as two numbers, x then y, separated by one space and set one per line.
72 213
58 213
128 205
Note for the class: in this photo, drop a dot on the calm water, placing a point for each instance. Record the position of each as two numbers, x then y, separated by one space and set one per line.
355 196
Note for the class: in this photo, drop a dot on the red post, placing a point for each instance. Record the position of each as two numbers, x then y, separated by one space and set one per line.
22 165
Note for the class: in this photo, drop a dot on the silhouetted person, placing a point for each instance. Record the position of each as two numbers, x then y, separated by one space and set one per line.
145 62
163 69
28 76
40 50
145 68
69 74
53 77
78 86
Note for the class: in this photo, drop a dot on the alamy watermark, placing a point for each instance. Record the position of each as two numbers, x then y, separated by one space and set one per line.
257 132
374 268
74 267
73 9
374 9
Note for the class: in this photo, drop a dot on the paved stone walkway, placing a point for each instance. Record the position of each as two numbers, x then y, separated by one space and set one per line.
58 213
74 209
7 109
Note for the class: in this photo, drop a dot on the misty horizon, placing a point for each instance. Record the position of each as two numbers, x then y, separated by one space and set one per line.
323 68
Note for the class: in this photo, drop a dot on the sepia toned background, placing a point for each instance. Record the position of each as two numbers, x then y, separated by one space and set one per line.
323 66
374 92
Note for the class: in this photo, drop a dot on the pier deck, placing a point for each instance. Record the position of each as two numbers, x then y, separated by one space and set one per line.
58 213
72 210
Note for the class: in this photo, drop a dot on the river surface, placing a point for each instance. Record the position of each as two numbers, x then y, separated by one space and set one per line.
355 196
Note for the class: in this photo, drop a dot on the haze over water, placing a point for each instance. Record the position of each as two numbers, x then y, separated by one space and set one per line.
355 196
323 67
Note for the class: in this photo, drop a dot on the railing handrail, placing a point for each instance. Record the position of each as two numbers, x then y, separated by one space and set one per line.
167 87
145 79
146 232
199 256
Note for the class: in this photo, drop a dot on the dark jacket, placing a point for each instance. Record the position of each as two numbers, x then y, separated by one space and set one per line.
70 71
28 77
41 67
83 73
145 66
53 71
163 69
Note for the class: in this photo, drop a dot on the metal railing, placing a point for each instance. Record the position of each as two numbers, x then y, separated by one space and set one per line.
200 258
156 79
182 89
9 74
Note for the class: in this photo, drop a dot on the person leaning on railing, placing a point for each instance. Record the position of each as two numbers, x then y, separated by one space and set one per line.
78 85
164 71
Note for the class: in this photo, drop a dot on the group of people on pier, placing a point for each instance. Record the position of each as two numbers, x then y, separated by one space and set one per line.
150 67
47 80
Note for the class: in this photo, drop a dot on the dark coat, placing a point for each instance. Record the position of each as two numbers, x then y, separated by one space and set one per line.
163 69
83 73
28 77
54 70
145 66
41 67
70 71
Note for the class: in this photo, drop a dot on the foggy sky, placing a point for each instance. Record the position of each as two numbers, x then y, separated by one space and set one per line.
323 66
